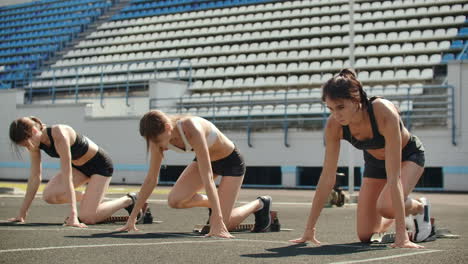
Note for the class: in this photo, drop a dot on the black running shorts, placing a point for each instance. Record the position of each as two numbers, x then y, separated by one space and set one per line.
232 165
413 151
100 164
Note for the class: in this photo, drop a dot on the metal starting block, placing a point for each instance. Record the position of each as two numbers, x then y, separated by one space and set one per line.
385 238
274 227
146 219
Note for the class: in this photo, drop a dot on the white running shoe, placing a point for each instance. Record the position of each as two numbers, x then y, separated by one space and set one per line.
422 222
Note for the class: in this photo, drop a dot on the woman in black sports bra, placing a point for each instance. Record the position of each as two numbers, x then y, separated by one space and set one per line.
394 162
81 162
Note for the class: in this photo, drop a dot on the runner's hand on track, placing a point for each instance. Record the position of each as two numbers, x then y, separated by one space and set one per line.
129 226
309 235
405 244
18 219
73 221
219 230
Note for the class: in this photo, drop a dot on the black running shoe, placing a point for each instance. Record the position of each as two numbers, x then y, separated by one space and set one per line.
129 208
262 216
134 198
209 216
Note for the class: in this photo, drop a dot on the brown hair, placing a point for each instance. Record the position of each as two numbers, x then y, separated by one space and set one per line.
21 128
152 125
345 85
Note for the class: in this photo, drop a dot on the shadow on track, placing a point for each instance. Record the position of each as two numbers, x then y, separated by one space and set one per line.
29 224
126 235
304 249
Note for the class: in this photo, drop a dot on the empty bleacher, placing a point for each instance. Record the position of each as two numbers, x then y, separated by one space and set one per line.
32 33
264 58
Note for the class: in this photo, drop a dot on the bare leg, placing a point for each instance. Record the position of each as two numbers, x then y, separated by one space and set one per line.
228 192
184 192
183 195
55 190
386 224
369 221
410 174
92 209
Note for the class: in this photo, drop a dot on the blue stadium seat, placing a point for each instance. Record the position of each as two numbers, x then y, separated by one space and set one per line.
448 57
457 44
463 31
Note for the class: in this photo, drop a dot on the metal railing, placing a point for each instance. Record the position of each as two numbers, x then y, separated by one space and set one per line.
100 86
435 107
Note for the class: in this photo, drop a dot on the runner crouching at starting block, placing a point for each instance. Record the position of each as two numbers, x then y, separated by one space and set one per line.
215 155
394 162
81 162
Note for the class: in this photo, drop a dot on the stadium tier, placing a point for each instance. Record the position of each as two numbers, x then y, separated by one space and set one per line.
31 34
272 54
252 67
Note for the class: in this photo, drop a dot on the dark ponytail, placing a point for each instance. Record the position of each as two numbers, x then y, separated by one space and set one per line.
347 72
21 128
38 122
345 85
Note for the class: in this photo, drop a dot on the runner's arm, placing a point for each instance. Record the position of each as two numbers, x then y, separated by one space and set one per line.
34 182
61 136
388 121
328 175
151 179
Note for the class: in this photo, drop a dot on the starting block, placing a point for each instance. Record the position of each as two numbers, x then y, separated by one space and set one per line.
274 227
386 238
146 219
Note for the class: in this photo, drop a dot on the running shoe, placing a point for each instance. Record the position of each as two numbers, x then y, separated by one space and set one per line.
129 208
422 222
262 216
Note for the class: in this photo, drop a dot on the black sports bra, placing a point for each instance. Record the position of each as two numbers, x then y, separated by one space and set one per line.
377 142
78 149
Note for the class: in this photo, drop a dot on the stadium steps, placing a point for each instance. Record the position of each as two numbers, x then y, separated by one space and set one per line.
81 36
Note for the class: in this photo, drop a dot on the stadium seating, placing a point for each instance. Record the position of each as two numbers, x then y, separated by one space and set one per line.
273 54
33 32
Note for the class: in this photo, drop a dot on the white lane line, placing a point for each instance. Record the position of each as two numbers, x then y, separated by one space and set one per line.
351 246
388 257
55 229
215 240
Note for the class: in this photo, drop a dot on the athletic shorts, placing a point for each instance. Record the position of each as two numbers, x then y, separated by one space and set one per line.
100 164
232 165
413 151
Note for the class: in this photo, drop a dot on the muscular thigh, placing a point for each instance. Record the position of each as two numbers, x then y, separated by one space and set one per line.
94 194
58 183
410 174
188 184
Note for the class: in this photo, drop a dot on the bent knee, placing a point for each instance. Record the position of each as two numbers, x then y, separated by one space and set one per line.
174 203
51 198
88 219
364 237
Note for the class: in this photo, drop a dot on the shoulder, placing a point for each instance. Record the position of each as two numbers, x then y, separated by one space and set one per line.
383 108
192 125
62 131
385 112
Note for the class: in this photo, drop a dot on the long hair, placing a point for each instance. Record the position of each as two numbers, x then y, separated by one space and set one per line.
152 125
345 85
21 129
